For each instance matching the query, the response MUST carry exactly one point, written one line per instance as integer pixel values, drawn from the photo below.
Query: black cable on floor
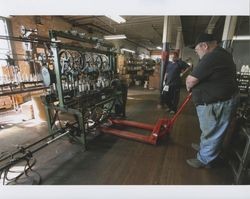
(29, 163)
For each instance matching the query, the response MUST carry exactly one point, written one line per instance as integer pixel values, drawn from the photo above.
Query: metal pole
(48, 112)
(165, 48)
(178, 44)
(228, 32)
(58, 75)
(82, 139)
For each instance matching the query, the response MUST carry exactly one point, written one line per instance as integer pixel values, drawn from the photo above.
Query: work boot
(195, 146)
(195, 163)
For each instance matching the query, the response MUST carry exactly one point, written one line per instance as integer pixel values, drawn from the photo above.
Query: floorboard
(111, 160)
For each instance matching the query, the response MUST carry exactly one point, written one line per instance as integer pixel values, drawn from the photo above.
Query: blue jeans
(214, 120)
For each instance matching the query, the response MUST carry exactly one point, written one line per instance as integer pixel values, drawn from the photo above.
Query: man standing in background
(172, 81)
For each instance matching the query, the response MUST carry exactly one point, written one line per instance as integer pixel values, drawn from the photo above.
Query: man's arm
(184, 66)
(191, 81)
(186, 70)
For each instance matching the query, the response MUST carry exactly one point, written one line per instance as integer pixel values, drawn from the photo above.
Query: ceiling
(146, 31)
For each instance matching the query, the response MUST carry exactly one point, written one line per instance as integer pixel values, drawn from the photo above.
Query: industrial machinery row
(81, 82)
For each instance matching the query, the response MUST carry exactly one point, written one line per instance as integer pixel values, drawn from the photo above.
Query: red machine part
(160, 129)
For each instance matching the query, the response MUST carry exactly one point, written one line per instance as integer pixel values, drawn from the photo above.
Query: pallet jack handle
(181, 108)
(161, 128)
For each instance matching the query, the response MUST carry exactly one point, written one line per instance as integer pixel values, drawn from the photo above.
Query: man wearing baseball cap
(214, 90)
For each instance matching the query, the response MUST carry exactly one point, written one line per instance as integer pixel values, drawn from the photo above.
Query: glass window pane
(5, 48)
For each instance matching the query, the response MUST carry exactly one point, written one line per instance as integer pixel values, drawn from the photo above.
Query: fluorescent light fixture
(116, 18)
(159, 48)
(110, 37)
(241, 37)
(127, 50)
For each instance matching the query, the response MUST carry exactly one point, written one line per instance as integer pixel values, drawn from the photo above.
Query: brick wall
(29, 22)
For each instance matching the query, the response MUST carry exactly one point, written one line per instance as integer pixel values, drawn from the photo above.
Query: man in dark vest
(172, 81)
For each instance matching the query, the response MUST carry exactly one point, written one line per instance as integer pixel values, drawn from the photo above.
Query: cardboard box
(19, 98)
(154, 82)
(5, 102)
(157, 69)
(27, 110)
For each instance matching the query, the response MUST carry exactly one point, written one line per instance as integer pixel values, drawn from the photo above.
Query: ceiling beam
(212, 23)
(156, 21)
(82, 19)
(104, 31)
(157, 31)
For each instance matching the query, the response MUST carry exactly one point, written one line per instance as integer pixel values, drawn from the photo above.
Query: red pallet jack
(161, 128)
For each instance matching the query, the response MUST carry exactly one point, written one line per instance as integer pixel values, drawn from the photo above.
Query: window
(5, 48)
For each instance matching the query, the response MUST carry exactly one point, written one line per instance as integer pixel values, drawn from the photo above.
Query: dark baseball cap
(203, 37)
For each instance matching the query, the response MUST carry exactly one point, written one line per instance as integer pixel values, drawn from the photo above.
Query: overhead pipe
(109, 32)
(103, 31)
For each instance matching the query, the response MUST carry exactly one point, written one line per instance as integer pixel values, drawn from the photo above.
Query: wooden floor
(111, 160)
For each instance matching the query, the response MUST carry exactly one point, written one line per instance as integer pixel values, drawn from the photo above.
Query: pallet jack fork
(160, 129)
